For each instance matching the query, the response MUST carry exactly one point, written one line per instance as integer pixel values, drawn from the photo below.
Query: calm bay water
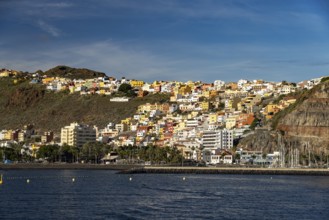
(51, 194)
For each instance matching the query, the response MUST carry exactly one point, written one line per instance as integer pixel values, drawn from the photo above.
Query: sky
(182, 40)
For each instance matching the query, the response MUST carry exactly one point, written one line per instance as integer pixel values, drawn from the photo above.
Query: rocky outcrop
(304, 126)
(308, 123)
(261, 140)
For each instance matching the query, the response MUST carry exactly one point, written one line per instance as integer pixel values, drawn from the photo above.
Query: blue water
(51, 194)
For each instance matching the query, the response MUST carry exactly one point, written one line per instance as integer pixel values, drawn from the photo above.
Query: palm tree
(17, 148)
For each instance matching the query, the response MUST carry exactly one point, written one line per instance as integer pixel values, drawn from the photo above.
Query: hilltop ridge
(72, 73)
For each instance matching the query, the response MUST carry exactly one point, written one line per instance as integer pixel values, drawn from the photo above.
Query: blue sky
(182, 40)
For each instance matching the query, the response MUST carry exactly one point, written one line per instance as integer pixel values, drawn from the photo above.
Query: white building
(228, 159)
(286, 89)
(211, 139)
(227, 139)
(217, 139)
(191, 123)
(77, 135)
(242, 82)
(218, 84)
(120, 99)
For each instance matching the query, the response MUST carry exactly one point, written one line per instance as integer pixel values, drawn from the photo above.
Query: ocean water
(95, 194)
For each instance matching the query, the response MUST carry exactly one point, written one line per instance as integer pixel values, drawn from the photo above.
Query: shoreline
(66, 166)
(141, 169)
(228, 170)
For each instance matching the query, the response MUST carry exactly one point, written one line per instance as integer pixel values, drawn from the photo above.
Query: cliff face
(308, 123)
(260, 140)
(305, 126)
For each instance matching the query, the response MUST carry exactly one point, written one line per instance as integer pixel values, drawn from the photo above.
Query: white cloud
(205, 63)
(57, 5)
(48, 28)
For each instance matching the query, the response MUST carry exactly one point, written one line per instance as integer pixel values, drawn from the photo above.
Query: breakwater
(226, 170)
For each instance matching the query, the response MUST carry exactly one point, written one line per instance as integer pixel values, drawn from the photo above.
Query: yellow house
(181, 125)
(136, 83)
(48, 80)
(194, 114)
(205, 106)
(213, 93)
(4, 73)
(72, 89)
(270, 110)
(142, 118)
(150, 123)
(35, 149)
(126, 121)
(191, 84)
(206, 94)
(184, 90)
(229, 104)
(173, 98)
(149, 107)
(213, 118)
(101, 84)
(8, 135)
(239, 106)
(230, 122)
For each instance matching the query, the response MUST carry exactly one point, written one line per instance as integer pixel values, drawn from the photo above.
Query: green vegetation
(72, 73)
(23, 103)
(93, 152)
(127, 90)
(254, 124)
(276, 101)
(49, 152)
(325, 79)
(15, 153)
(154, 154)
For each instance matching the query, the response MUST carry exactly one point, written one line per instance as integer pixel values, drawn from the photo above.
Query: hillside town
(203, 121)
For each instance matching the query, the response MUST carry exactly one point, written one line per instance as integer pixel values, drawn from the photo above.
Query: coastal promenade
(140, 169)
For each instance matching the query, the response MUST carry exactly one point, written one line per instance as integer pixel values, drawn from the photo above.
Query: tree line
(91, 152)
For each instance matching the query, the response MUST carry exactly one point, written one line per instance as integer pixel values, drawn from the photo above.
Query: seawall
(222, 170)
(139, 169)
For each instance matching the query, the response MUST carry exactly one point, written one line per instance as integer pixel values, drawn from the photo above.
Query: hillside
(73, 73)
(24, 103)
(303, 125)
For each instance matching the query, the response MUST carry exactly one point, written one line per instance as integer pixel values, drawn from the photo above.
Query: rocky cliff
(303, 126)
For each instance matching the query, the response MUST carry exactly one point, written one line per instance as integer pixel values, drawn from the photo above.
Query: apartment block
(77, 135)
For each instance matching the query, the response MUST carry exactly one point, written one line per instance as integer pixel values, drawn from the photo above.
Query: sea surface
(102, 194)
